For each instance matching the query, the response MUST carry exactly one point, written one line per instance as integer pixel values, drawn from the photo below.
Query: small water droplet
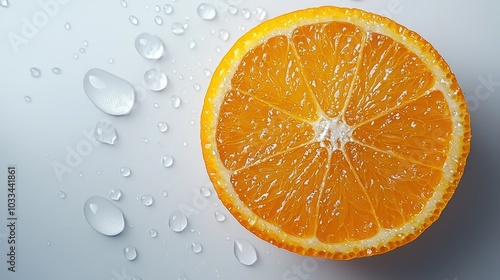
(35, 72)
(167, 161)
(125, 171)
(196, 247)
(56, 70)
(105, 132)
(178, 28)
(206, 11)
(4, 3)
(149, 46)
(245, 13)
(157, 8)
(196, 86)
(133, 20)
(85, 43)
(123, 3)
(233, 10)
(162, 127)
(175, 101)
(260, 14)
(223, 35)
(207, 72)
(153, 233)
(168, 9)
(82, 50)
(219, 216)
(111, 61)
(177, 221)
(192, 44)
(145, 140)
(156, 105)
(205, 192)
(164, 193)
(67, 26)
(155, 80)
(147, 200)
(109, 93)
(130, 253)
(115, 194)
(27, 98)
(244, 251)
(103, 216)
(158, 20)
(61, 194)
(75, 56)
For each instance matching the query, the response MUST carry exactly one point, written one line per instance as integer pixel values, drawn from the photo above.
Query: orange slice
(334, 132)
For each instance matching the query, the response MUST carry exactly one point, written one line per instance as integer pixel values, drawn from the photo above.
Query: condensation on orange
(334, 132)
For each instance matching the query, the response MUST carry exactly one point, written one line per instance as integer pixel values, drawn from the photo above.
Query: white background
(54, 240)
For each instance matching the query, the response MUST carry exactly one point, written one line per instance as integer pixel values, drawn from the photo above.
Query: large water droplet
(177, 221)
(149, 46)
(125, 171)
(175, 101)
(35, 72)
(196, 247)
(219, 216)
(105, 132)
(130, 253)
(147, 200)
(103, 216)
(115, 194)
(205, 192)
(223, 35)
(168, 9)
(244, 251)
(153, 233)
(4, 3)
(167, 161)
(155, 80)
(206, 11)
(133, 20)
(162, 127)
(178, 28)
(109, 93)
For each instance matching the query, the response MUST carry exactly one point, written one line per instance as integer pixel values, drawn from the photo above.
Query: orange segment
(334, 132)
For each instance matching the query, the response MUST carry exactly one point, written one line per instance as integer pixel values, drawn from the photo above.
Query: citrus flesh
(334, 132)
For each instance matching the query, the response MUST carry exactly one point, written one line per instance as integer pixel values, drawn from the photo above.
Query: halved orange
(334, 132)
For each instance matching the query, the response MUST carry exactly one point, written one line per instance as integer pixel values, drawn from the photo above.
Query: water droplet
(219, 216)
(192, 44)
(157, 9)
(206, 11)
(35, 72)
(109, 93)
(125, 171)
(67, 26)
(245, 13)
(153, 233)
(205, 192)
(158, 20)
(155, 80)
(177, 221)
(167, 161)
(115, 194)
(233, 10)
(164, 193)
(103, 216)
(196, 247)
(4, 3)
(178, 28)
(111, 61)
(207, 72)
(244, 251)
(123, 3)
(223, 34)
(162, 127)
(196, 86)
(147, 200)
(149, 46)
(156, 105)
(56, 70)
(27, 98)
(61, 194)
(82, 50)
(145, 140)
(105, 132)
(175, 101)
(133, 20)
(260, 14)
(85, 43)
(130, 253)
(168, 9)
